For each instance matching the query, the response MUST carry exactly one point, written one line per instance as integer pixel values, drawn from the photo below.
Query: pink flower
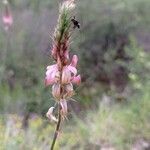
(7, 17)
(52, 75)
(76, 80)
(69, 72)
(66, 75)
(72, 69)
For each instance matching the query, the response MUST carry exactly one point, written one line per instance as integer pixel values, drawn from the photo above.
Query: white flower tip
(68, 4)
(50, 115)
(5, 2)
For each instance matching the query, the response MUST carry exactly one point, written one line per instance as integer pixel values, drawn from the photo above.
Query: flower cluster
(7, 16)
(63, 74)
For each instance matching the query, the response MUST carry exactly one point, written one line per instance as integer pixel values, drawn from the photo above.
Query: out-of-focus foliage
(108, 24)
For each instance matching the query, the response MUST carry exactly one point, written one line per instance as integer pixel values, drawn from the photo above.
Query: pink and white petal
(72, 70)
(48, 72)
(48, 82)
(76, 80)
(66, 75)
(74, 61)
(52, 67)
(50, 79)
(8, 20)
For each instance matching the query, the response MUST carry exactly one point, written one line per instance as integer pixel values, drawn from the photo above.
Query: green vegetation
(119, 126)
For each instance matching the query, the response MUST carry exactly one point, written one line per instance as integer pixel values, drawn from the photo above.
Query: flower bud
(66, 76)
(54, 52)
(68, 4)
(66, 57)
(56, 91)
(74, 61)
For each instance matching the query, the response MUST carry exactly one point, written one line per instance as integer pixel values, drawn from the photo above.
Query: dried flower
(66, 75)
(69, 92)
(56, 91)
(50, 115)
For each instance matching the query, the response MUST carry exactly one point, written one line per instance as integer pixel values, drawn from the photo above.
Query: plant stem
(57, 129)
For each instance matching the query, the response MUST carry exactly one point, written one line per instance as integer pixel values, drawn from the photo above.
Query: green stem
(57, 129)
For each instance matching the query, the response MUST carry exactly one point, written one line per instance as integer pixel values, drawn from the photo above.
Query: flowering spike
(63, 73)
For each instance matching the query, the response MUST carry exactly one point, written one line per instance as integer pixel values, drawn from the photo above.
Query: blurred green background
(112, 103)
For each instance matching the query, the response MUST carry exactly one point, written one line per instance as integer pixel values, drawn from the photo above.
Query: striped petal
(72, 70)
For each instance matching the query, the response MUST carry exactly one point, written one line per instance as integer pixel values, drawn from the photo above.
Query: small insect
(75, 23)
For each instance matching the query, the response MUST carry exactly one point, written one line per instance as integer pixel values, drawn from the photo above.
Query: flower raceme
(63, 74)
